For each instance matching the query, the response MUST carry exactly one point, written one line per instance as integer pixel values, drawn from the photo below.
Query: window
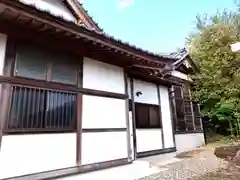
(37, 63)
(147, 116)
(184, 114)
(31, 62)
(34, 109)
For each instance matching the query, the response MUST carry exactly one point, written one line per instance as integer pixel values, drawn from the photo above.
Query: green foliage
(218, 84)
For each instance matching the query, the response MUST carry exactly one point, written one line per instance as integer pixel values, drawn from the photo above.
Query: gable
(187, 64)
(83, 17)
(54, 7)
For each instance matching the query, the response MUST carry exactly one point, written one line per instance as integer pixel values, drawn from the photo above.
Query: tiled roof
(101, 33)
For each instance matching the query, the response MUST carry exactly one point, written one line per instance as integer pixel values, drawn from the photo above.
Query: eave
(19, 14)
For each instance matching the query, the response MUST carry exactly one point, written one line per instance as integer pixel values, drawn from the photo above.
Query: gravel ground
(202, 163)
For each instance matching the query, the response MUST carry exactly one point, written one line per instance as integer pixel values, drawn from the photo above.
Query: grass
(222, 140)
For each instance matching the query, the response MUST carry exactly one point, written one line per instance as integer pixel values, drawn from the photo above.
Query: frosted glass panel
(64, 72)
(31, 62)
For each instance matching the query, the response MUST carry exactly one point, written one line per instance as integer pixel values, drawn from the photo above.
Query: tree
(217, 87)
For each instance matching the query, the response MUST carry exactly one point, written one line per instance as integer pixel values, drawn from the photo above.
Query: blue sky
(155, 25)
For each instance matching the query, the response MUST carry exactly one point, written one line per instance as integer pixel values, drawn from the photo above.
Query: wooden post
(160, 115)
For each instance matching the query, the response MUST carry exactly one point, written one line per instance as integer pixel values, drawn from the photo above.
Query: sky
(160, 26)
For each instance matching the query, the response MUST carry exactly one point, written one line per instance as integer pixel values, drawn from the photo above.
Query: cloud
(125, 3)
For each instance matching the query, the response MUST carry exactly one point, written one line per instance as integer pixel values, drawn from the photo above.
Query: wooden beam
(73, 28)
(53, 85)
(147, 67)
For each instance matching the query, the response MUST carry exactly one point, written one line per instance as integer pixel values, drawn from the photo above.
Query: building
(74, 99)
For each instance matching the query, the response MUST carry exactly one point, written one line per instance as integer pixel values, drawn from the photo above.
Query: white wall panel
(103, 146)
(101, 76)
(166, 117)
(55, 7)
(26, 154)
(181, 75)
(129, 88)
(148, 139)
(101, 112)
(148, 90)
(3, 43)
(186, 142)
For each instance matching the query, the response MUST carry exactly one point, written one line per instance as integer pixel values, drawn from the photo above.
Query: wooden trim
(160, 114)
(148, 67)
(98, 130)
(38, 131)
(4, 110)
(127, 115)
(80, 74)
(155, 152)
(60, 86)
(10, 57)
(182, 97)
(5, 90)
(71, 171)
(79, 129)
(171, 111)
(201, 122)
(79, 114)
(193, 114)
(133, 117)
(188, 132)
(174, 112)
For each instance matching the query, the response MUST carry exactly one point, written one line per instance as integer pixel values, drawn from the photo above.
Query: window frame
(49, 64)
(10, 69)
(187, 123)
(44, 129)
(149, 126)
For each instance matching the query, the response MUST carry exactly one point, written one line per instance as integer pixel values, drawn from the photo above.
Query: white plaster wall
(103, 146)
(3, 43)
(181, 75)
(166, 117)
(129, 89)
(101, 112)
(26, 154)
(101, 76)
(148, 139)
(186, 142)
(149, 92)
(55, 7)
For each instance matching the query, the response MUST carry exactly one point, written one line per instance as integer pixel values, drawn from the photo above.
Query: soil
(232, 173)
(232, 169)
(226, 152)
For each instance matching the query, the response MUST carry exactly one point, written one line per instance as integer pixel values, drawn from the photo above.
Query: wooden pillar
(173, 112)
(193, 115)
(160, 115)
(7, 59)
(133, 118)
(79, 115)
(127, 117)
